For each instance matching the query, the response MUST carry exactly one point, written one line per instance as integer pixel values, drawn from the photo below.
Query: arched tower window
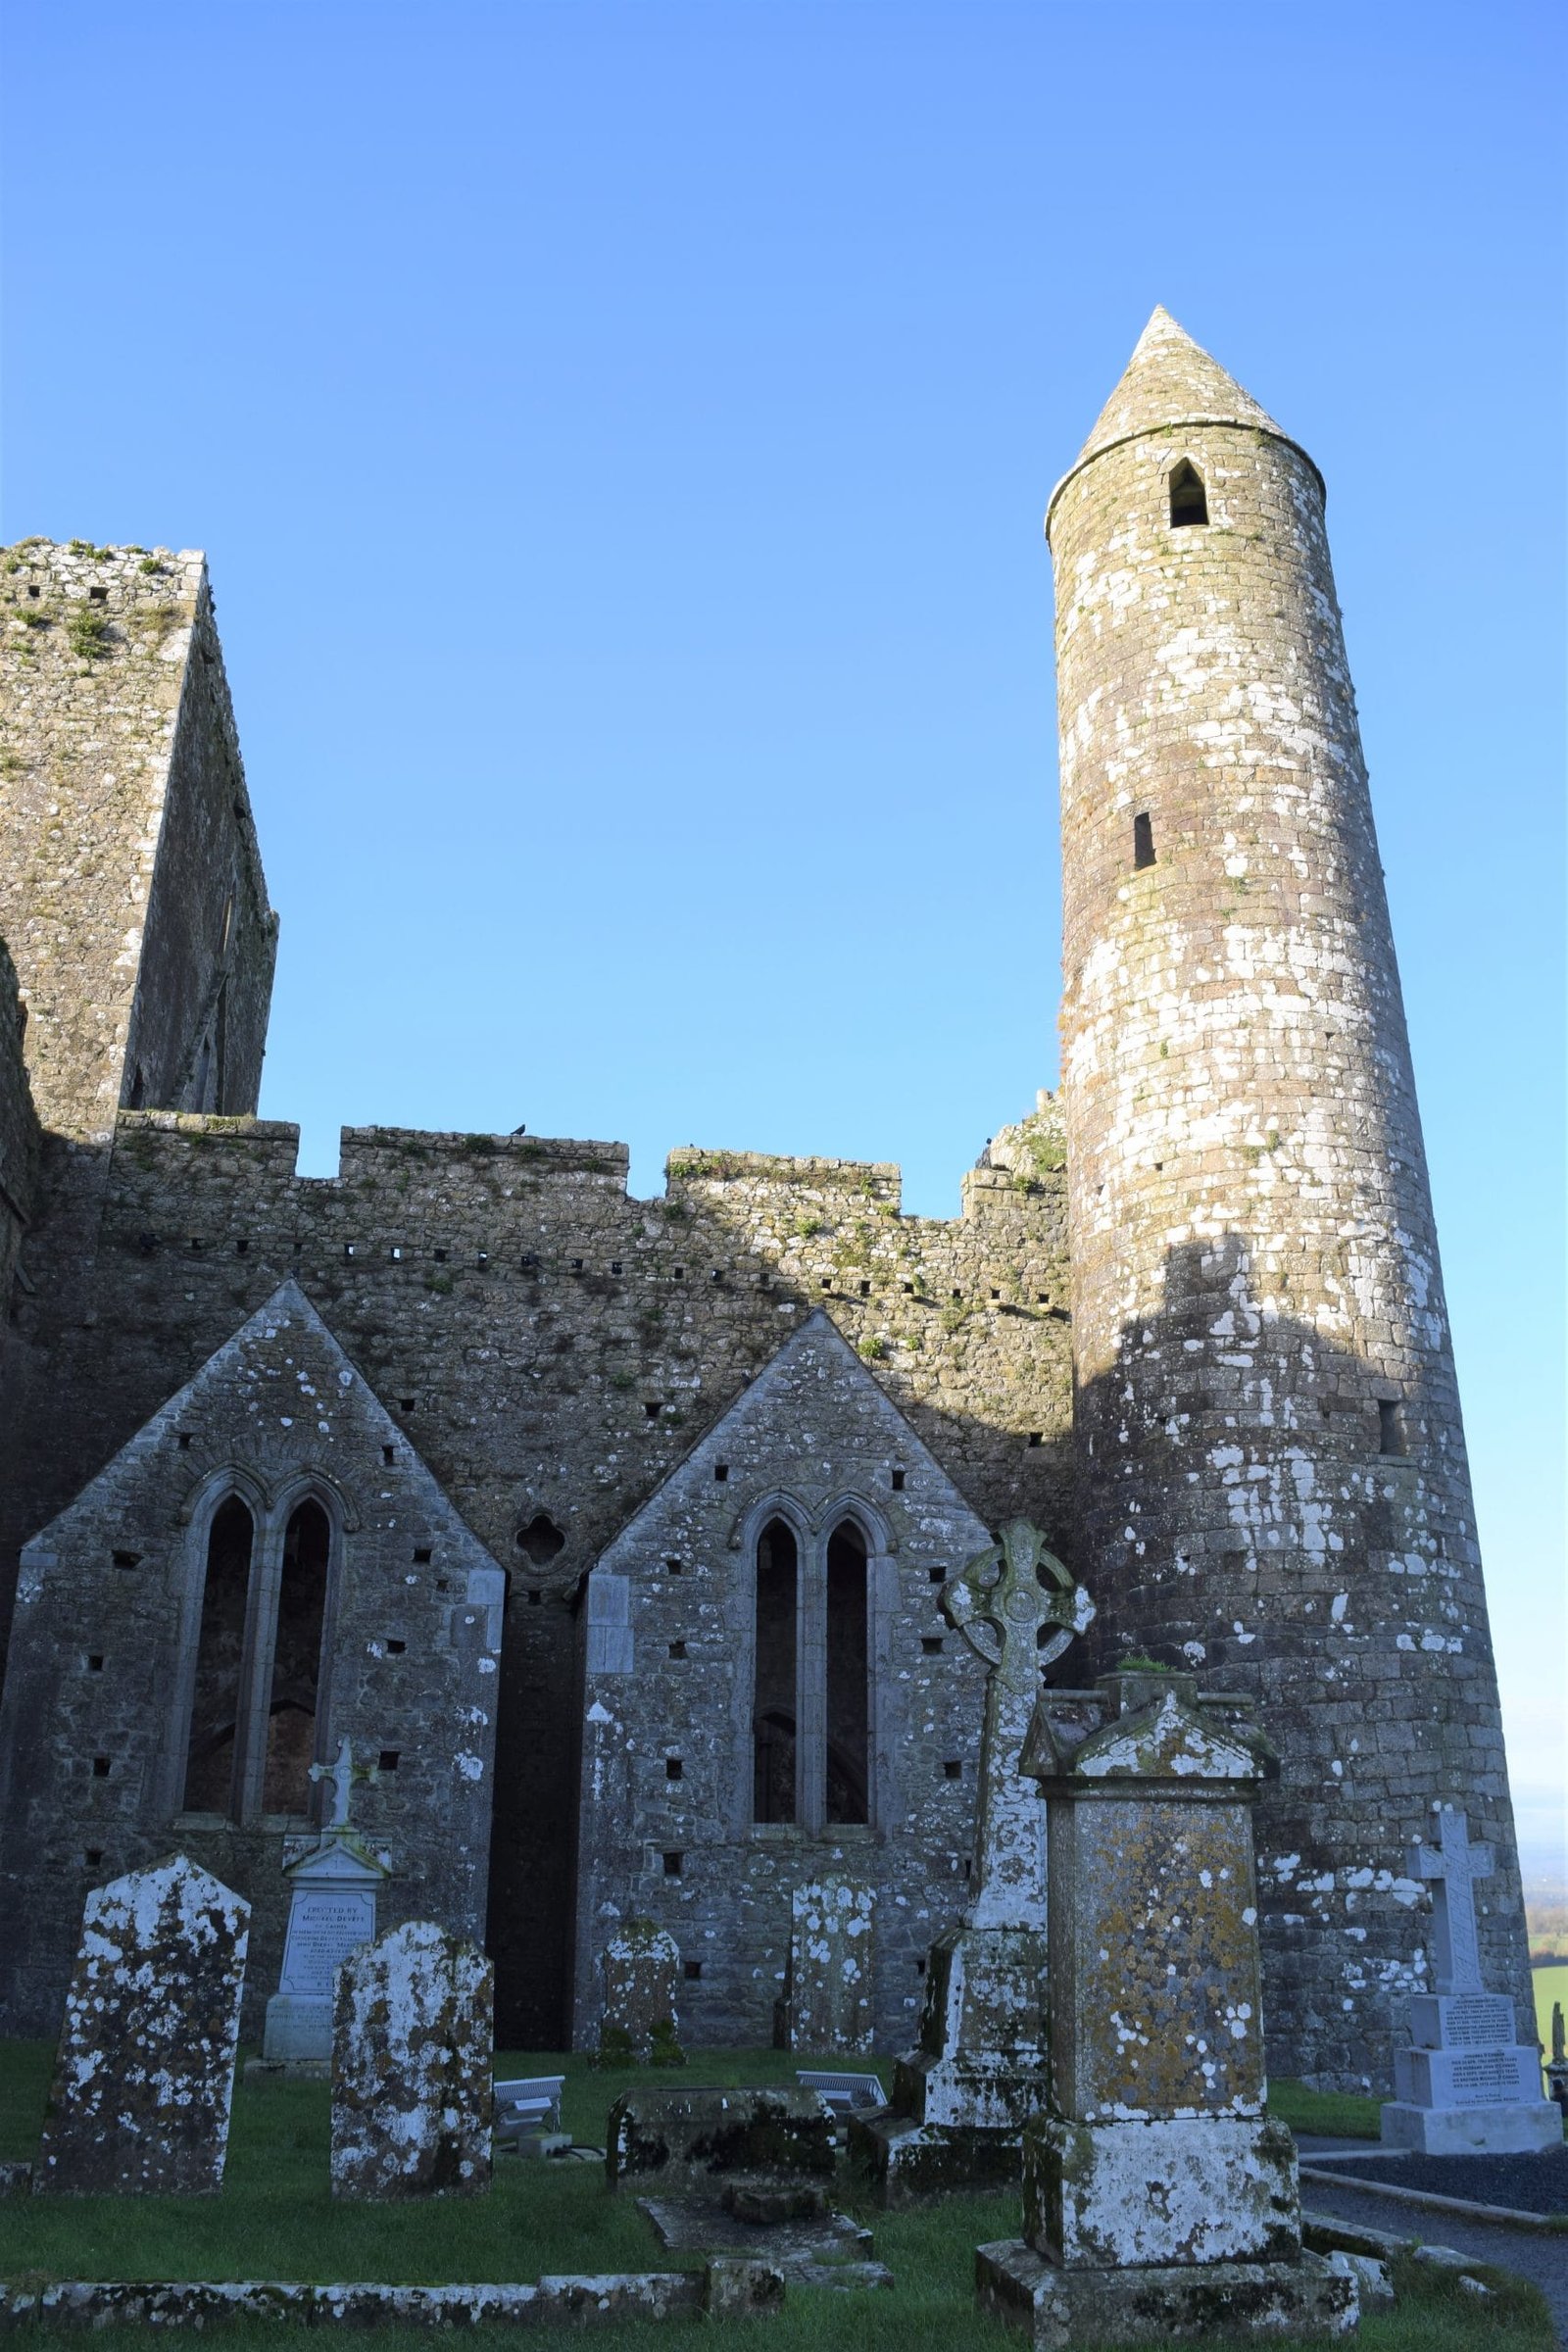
(848, 1692)
(219, 1682)
(774, 1697)
(1188, 500)
(296, 1676)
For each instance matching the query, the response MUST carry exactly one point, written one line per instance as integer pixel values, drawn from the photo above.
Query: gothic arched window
(811, 1697)
(296, 1675)
(218, 1677)
(773, 1703)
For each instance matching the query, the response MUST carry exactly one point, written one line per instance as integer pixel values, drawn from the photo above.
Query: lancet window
(813, 1702)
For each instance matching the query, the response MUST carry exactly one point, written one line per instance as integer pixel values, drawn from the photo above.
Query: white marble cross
(342, 1773)
(1453, 1865)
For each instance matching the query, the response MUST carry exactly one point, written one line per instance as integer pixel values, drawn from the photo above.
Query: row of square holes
(531, 1263)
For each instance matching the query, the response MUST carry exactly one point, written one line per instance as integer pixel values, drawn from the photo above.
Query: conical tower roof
(1170, 380)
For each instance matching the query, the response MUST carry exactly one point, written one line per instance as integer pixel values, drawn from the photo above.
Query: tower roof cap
(1170, 380)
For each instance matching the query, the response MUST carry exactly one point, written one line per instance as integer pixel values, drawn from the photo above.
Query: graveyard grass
(275, 2219)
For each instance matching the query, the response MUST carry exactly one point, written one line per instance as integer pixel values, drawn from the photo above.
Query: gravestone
(640, 2027)
(1159, 2199)
(961, 2102)
(331, 1912)
(828, 1989)
(1468, 2085)
(412, 2042)
(140, 2103)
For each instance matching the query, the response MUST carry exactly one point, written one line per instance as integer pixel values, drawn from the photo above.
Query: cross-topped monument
(1468, 2083)
(341, 1776)
(1017, 1607)
(332, 1891)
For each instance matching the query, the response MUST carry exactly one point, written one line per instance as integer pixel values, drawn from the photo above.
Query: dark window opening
(93, 1857)
(953, 1769)
(1036, 1437)
(652, 1409)
(421, 1555)
(387, 1760)
(673, 1865)
(138, 1089)
(898, 1482)
(542, 1540)
(394, 1647)
(931, 1644)
(1391, 1427)
(128, 1559)
(938, 1575)
(721, 1472)
(849, 1712)
(672, 1568)
(1142, 841)
(291, 1705)
(185, 1441)
(219, 1648)
(390, 1455)
(677, 1649)
(100, 1768)
(614, 1265)
(440, 1257)
(1188, 500)
(692, 1970)
(865, 1290)
(536, 1598)
(405, 1404)
(95, 1664)
(773, 1688)
(674, 1769)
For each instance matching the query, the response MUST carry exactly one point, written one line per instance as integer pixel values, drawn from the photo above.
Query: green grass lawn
(275, 2219)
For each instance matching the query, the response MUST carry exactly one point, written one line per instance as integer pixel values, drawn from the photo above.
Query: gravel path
(1537, 2255)
(1529, 2183)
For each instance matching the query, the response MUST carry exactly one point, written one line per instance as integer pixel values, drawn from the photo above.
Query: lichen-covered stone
(1197, 2188)
(1079, 2310)
(140, 2103)
(641, 1970)
(412, 2090)
(668, 2138)
(829, 1992)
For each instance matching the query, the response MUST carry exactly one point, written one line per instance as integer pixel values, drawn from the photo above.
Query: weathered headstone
(332, 1891)
(140, 2103)
(828, 2002)
(1469, 2085)
(411, 2040)
(961, 2102)
(1159, 2199)
(640, 2027)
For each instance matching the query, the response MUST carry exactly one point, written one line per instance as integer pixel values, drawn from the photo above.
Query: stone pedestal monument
(1159, 2199)
(332, 1889)
(827, 2008)
(1469, 2083)
(961, 2102)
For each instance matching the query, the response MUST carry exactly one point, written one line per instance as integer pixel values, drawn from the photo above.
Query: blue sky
(620, 437)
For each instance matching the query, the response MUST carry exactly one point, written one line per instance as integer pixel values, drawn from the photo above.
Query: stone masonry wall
(19, 1142)
(1271, 1457)
(132, 891)
(552, 1347)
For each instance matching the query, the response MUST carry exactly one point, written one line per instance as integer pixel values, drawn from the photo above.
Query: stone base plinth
(1520, 2130)
(1191, 2189)
(903, 2160)
(1072, 2311)
(299, 2026)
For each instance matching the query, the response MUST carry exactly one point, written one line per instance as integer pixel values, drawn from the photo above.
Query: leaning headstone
(412, 2067)
(331, 1912)
(140, 2099)
(960, 2104)
(1159, 2199)
(1469, 2085)
(640, 2027)
(829, 1987)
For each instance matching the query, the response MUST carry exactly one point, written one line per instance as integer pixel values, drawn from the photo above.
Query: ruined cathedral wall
(18, 1143)
(118, 755)
(553, 1347)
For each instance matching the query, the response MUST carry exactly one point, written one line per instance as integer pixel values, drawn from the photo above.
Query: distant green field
(1551, 1984)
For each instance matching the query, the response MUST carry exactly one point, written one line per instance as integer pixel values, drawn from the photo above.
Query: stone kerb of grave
(959, 2103)
(412, 2043)
(641, 1969)
(1468, 2085)
(332, 1895)
(1158, 2196)
(828, 2006)
(143, 2083)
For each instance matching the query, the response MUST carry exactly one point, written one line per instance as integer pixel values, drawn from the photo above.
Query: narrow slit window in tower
(219, 1651)
(774, 1690)
(1391, 1427)
(848, 1704)
(291, 1742)
(1189, 501)
(1143, 840)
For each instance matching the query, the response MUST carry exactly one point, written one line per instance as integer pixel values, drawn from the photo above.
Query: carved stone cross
(1017, 1607)
(1453, 1865)
(342, 1773)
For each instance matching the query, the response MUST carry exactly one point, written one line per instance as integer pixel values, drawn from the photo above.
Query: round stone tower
(1269, 1446)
